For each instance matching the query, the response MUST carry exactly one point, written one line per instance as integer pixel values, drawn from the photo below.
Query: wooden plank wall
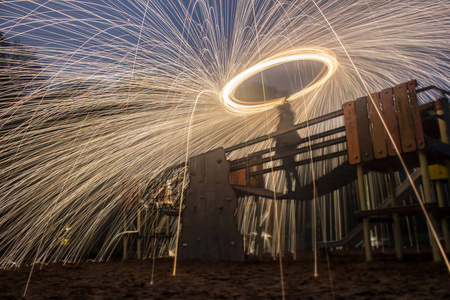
(367, 138)
(377, 127)
(351, 131)
(239, 177)
(362, 122)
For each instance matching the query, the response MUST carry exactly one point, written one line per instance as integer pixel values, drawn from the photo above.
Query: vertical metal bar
(362, 199)
(314, 228)
(409, 229)
(259, 241)
(395, 217)
(125, 236)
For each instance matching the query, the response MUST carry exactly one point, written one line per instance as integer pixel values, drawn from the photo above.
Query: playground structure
(209, 228)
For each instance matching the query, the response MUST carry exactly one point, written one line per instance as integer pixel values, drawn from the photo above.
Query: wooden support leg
(167, 235)
(153, 237)
(395, 217)
(362, 199)
(444, 225)
(427, 195)
(139, 241)
(125, 237)
(441, 106)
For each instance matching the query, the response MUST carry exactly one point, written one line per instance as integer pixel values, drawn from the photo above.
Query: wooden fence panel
(390, 119)
(377, 127)
(364, 137)
(405, 122)
(351, 133)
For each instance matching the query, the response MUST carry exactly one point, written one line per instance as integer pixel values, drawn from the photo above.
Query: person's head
(284, 107)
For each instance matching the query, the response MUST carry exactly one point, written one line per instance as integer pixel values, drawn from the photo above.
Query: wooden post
(441, 106)
(146, 232)
(362, 199)
(139, 241)
(167, 234)
(153, 234)
(314, 235)
(427, 195)
(125, 236)
(395, 217)
(444, 225)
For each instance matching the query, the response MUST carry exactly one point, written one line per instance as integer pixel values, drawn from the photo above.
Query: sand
(344, 275)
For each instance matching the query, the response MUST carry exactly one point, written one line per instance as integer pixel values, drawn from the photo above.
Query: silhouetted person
(287, 142)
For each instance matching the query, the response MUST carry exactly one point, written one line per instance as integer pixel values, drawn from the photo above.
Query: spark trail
(94, 105)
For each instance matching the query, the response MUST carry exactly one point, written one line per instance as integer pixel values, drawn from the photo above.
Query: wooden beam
(302, 162)
(305, 124)
(403, 211)
(303, 140)
(290, 153)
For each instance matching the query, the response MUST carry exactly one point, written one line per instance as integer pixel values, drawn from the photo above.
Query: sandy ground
(344, 275)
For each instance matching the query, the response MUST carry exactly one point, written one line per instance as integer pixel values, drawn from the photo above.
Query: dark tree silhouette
(20, 73)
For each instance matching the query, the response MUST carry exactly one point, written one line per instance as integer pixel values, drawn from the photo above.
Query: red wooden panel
(415, 112)
(238, 177)
(362, 121)
(390, 119)
(351, 133)
(376, 126)
(257, 181)
(405, 123)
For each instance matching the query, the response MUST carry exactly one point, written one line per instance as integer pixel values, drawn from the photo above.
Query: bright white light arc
(242, 107)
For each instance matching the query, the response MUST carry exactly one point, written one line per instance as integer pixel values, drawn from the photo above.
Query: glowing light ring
(238, 106)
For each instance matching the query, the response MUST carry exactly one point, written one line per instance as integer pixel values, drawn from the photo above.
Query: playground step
(357, 230)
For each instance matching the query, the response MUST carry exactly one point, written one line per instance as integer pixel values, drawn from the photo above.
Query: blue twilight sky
(89, 25)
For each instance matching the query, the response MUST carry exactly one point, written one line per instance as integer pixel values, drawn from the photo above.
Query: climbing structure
(377, 129)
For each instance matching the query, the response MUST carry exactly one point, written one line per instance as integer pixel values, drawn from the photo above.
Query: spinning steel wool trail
(240, 106)
(96, 99)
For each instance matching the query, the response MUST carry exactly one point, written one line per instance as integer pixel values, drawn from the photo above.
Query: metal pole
(259, 245)
(314, 228)
(395, 217)
(427, 195)
(362, 199)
